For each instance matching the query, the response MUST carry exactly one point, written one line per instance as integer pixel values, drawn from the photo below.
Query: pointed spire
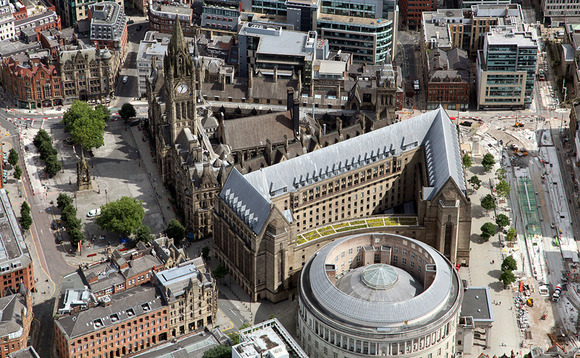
(177, 40)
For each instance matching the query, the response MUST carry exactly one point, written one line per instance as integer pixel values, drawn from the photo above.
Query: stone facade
(256, 228)
(88, 74)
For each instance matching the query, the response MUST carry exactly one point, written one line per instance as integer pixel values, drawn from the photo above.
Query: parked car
(93, 213)
(125, 79)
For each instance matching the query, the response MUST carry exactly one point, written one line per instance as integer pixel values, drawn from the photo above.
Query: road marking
(39, 252)
(231, 323)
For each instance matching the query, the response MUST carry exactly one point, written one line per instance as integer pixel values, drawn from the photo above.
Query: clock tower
(179, 86)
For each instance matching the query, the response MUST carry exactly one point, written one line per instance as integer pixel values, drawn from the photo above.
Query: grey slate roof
(141, 299)
(384, 309)
(433, 130)
(246, 201)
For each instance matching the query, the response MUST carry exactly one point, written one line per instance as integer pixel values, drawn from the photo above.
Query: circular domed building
(378, 295)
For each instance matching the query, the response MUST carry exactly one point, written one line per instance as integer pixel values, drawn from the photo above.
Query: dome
(380, 276)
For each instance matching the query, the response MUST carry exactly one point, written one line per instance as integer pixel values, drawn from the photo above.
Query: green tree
(511, 234)
(503, 189)
(52, 166)
(63, 200)
(13, 157)
(68, 215)
(123, 216)
(127, 111)
(475, 182)
(175, 231)
(488, 162)
(507, 277)
(218, 352)
(488, 202)
(205, 253)
(25, 208)
(220, 272)
(46, 150)
(41, 137)
(25, 217)
(488, 230)
(17, 172)
(76, 235)
(104, 111)
(86, 125)
(143, 233)
(502, 220)
(500, 174)
(467, 161)
(509, 264)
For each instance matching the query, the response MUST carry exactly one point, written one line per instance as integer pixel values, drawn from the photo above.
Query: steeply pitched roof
(432, 130)
(246, 201)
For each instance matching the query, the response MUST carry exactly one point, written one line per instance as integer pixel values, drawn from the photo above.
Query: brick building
(15, 261)
(121, 272)
(46, 20)
(448, 81)
(33, 80)
(128, 322)
(15, 321)
(412, 10)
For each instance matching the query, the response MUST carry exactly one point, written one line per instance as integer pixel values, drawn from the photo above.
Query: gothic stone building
(265, 221)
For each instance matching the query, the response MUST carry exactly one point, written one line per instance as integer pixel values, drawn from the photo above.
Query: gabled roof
(250, 195)
(246, 201)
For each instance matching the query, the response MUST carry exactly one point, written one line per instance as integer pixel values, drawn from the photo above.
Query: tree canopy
(220, 272)
(503, 189)
(507, 277)
(143, 234)
(511, 234)
(127, 111)
(13, 157)
(475, 182)
(218, 352)
(488, 202)
(488, 162)
(500, 174)
(124, 216)
(17, 172)
(175, 230)
(488, 230)
(103, 111)
(502, 220)
(63, 200)
(86, 125)
(25, 217)
(509, 263)
(467, 161)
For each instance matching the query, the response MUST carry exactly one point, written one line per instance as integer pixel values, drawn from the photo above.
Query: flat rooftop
(14, 253)
(477, 304)
(272, 36)
(508, 36)
(351, 20)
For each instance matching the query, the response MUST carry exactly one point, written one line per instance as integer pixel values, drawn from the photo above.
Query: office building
(506, 69)
(128, 322)
(72, 11)
(268, 223)
(6, 21)
(108, 27)
(267, 339)
(191, 294)
(467, 4)
(559, 12)
(377, 294)
(412, 10)
(221, 15)
(15, 261)
(162, 18)
(259, 50)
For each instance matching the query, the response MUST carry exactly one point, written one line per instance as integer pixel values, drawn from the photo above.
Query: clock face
(181, 89)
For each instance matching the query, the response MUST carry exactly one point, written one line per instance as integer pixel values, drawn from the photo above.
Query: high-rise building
(72, 11)
(506, 68)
